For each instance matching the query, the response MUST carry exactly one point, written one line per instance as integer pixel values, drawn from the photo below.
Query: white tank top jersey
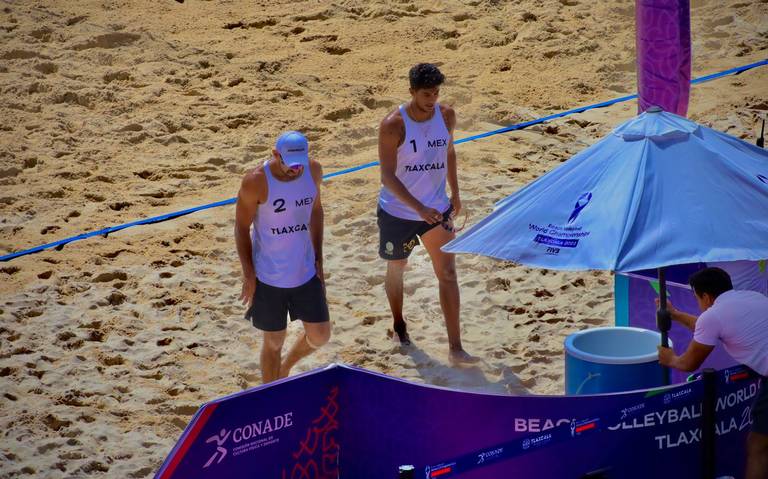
(282, 245)
(422, 162)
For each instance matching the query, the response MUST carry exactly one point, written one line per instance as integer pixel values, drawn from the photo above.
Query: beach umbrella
(659, 190)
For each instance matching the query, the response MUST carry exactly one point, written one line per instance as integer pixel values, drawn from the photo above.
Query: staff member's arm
(690, 360)
(687, 320)
(391, 132)
(705, 335)
(253, 192)
(449, 116)
(317, 219)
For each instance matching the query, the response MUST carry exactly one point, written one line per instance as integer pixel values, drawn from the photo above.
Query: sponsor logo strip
(561, 242)
(441, 472)
(739, 376)
(586, 427)
(659, 398)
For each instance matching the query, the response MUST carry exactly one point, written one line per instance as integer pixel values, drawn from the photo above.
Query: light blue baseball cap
(294, 148)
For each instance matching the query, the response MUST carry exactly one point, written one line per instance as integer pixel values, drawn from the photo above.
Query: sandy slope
(113, 112)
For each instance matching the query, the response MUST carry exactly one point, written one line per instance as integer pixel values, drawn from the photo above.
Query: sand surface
(112, 111)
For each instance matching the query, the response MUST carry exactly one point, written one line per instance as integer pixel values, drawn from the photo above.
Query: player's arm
(449, 116)
(317, 220)
(252, 193)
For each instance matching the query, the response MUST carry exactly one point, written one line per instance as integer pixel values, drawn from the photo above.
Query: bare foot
(402, 333)
(284, 371)
(459, 357)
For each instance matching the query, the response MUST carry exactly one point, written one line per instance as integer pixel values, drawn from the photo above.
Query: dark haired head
(425, 75)
(712, 281)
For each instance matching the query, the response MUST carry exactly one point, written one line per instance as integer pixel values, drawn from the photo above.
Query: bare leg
(444, 265)
(270, 355)
(314, 336)
(393, 285)
(757, 456)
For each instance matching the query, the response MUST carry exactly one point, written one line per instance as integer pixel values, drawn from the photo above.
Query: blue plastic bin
(605, 360)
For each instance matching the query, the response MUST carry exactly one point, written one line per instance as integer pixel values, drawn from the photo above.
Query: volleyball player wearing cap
(279, 238)
(417, 159)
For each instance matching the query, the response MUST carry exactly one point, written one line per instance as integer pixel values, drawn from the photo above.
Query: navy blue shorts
(760, 409)
(398, 236)
(271, 305)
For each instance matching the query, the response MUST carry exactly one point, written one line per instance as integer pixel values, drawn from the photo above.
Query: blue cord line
(157, 219)
(106, 231)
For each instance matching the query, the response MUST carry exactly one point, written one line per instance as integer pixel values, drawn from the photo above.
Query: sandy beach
(117, 111)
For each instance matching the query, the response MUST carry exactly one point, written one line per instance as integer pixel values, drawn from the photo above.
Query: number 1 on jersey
(413, 142)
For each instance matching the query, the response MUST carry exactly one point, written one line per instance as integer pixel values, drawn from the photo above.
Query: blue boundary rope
(58, 245)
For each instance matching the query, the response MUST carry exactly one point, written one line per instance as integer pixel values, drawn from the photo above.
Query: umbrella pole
(663, 318)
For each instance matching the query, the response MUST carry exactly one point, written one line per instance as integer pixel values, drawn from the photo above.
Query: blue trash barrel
(613, 359)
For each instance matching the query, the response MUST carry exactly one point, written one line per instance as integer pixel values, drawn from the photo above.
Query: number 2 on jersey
(280, 205)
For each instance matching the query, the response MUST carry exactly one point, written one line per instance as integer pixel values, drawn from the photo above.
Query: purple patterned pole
(663, 43)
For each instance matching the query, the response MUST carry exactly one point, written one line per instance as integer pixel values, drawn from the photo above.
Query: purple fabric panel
(396, 423)
(351, 423)
(663, 44)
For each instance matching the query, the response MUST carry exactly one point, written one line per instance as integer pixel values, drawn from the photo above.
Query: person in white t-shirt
(739, 320)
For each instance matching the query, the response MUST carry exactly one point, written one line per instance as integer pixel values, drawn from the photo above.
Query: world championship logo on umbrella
(581, 203)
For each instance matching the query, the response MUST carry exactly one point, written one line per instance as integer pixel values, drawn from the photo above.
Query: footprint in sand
(120, 205)
(94, 467)
(21, 55)
(496, 284)
(528, 383)
(54, 423)
(336, 50)
(593, 321)
(111, 360)
(542, 312)
(554, 320)
(116, 76)
(342, 114)
(46, 68)
(542, 293)
(718, 22)
(516, 310)
(75, 20)
(43, 34)
(108, 40)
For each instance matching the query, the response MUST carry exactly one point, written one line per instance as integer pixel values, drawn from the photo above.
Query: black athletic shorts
(760, 409)
(271, 305)
(398, 236)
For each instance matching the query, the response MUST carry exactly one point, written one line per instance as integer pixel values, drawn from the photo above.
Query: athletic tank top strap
(283, 255)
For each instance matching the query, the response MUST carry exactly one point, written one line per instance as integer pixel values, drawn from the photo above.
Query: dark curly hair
(714, 281)
(425, 75)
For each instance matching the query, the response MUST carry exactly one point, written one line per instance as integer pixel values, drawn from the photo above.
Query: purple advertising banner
(287, 429)
(352, 423)
(663, 43)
